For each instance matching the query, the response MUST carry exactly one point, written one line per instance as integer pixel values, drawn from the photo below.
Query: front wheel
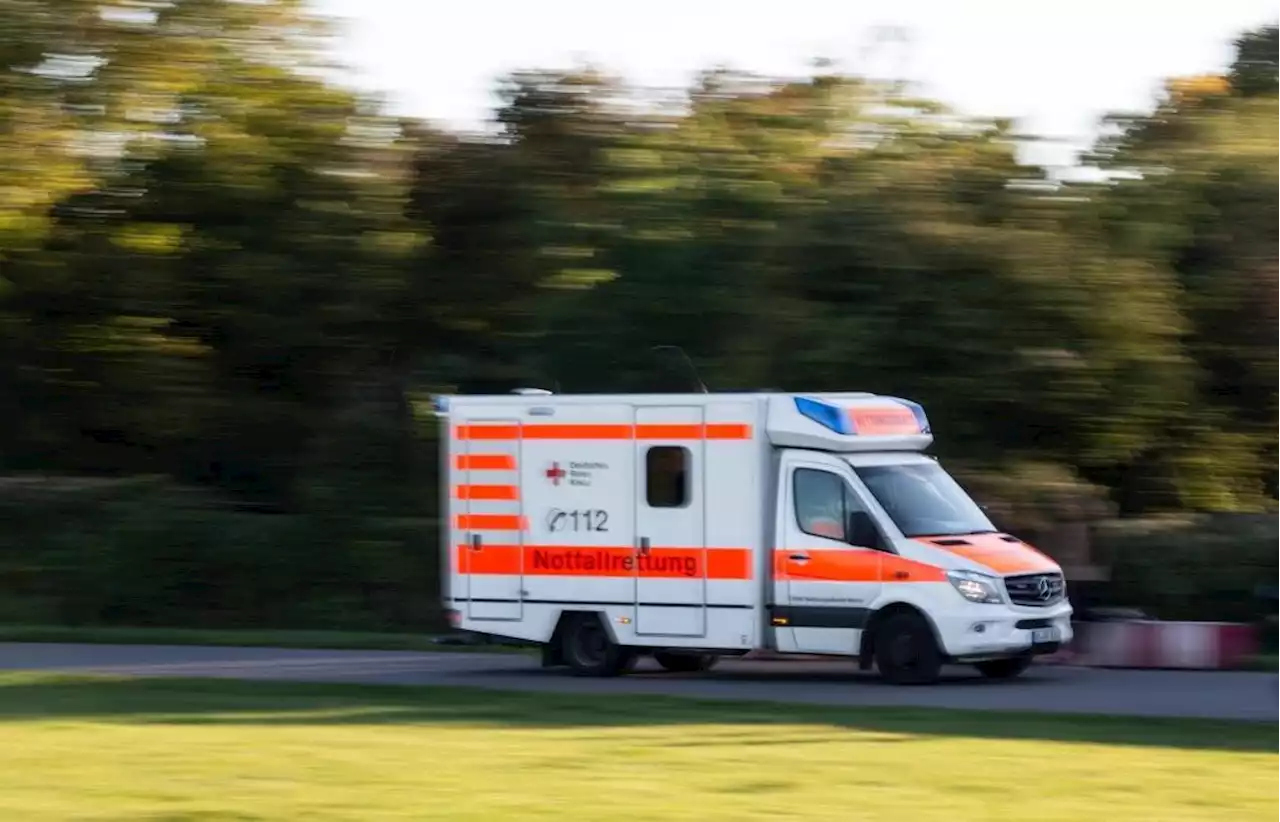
(684, 663)
(906, 652)
(590, 651)
(1003, 668)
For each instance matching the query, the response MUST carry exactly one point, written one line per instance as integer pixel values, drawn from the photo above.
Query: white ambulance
(689, 527)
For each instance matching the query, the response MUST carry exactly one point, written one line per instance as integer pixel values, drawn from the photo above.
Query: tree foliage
(216, 266)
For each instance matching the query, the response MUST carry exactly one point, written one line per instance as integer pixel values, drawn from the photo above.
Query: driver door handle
(799, 557)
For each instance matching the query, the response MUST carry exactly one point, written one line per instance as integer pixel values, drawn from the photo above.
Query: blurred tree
(214, 276)
(1205, 207)
(1255, 72)
(217, 265)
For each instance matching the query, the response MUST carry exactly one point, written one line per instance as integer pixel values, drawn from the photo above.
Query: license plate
(1039, 635)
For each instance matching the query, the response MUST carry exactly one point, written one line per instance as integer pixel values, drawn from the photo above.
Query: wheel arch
(867, 645)
(569, 615)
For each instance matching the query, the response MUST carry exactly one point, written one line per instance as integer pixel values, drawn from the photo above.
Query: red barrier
(1205, 646)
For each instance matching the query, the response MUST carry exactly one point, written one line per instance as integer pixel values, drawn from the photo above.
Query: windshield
(923, 500)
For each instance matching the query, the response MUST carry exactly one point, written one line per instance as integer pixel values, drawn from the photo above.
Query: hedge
(1208, 567)
(158, 558)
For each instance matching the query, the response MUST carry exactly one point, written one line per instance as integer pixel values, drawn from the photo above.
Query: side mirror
(861, 530)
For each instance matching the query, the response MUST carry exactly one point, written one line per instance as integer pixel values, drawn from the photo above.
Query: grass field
(88, 748)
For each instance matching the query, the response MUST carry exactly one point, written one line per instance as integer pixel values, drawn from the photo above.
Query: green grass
(98, 748)
(328, 640)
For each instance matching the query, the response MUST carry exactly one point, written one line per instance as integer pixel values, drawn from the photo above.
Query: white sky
(1057, 67)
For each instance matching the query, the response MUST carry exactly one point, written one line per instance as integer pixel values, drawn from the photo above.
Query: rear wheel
(590, 651)
(1003, 668)
(906, 652)
(684, 662)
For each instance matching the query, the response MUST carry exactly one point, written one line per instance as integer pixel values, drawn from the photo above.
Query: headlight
(975, 587)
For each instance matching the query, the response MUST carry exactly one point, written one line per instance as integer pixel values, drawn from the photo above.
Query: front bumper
(992, 632)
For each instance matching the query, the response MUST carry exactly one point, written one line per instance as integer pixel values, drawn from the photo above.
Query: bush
(1207, 567)
(158, 556)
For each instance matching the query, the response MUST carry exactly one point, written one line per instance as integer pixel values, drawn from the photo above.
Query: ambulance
(690, 527)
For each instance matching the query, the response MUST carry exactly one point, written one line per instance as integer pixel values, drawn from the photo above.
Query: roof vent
(531, 392)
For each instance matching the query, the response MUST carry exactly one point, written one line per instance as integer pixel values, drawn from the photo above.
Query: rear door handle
(799, 557)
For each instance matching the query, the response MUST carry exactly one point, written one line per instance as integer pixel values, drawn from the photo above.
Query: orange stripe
(851, 565)
(488, 432)
(728, 431)
(894, 568)
(694, 431)
(485, 462)
(729, 563)
(605, 561)
(501, 492)
(491, 522)
(672, 431)
(551, 431)
(490, 559)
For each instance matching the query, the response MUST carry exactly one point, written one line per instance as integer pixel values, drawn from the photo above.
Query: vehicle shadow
(180, 701)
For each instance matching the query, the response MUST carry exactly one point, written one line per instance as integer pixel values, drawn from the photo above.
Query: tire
(685, 663)
(1004, 668)
(906, 652)
(588, 649)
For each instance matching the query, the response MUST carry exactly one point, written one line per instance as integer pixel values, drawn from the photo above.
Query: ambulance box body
(689, 527)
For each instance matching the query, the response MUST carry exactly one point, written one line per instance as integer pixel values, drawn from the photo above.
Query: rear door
(489, 516)
(830, 583)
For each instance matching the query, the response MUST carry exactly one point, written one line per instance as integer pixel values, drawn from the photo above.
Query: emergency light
(828, 416)
(842, 420)
(917, 411)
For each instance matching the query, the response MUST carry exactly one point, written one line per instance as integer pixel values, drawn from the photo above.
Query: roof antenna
(693, 371)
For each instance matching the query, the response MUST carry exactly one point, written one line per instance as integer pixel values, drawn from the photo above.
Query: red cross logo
(555, 473)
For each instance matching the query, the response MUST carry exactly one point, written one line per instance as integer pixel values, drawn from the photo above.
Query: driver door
(831, 581)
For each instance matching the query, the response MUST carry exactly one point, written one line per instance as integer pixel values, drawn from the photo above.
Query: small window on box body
(666, 471)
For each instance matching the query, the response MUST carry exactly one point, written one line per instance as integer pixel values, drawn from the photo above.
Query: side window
(666, 476)
(823, 502)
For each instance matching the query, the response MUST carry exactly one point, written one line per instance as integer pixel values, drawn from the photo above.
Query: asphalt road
(1045, 688)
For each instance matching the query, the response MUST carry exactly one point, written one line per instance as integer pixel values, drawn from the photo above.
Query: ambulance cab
(691, 527)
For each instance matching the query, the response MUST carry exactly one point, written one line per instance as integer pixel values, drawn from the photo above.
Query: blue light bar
(828, 416)
(917, 411)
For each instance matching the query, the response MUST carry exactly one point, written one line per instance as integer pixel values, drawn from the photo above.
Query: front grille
(1035, 590)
